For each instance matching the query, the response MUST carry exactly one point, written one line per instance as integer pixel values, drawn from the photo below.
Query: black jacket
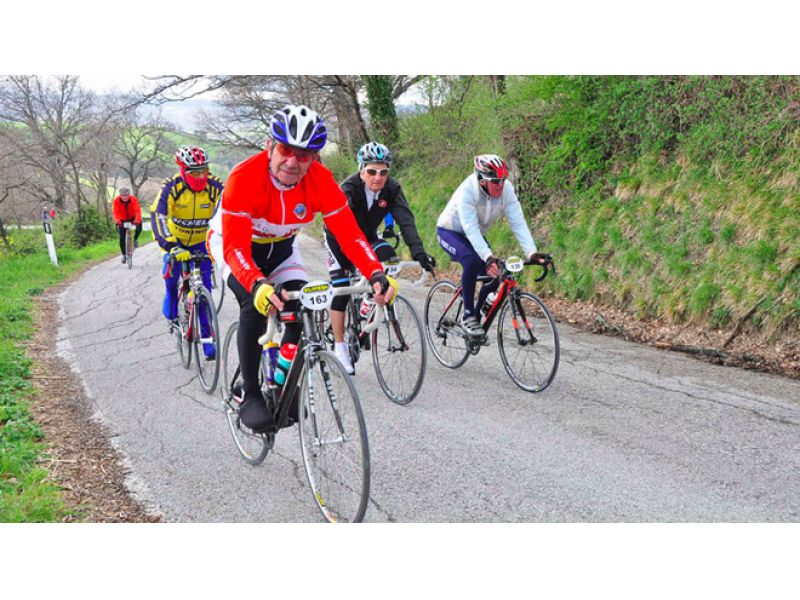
(391, 199)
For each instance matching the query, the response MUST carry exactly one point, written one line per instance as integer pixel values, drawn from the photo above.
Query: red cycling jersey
(255, 211)
(126, 211)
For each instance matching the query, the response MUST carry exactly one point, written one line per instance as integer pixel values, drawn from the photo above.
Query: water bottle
(285, 358)
(366, 306)
(488, 302)
(271, 356)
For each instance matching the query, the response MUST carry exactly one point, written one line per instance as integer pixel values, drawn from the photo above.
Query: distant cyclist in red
(268, 199)
(126, 209)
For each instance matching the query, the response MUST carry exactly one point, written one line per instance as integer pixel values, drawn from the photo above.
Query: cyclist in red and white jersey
(268, 199)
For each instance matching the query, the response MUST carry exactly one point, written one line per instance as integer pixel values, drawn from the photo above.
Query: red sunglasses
(300, 154)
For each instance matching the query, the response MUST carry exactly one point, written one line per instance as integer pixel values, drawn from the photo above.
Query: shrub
(78, 230)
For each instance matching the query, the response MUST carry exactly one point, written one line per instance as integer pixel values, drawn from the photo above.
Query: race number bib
(515, 264)
(316, 295)
(392, 267)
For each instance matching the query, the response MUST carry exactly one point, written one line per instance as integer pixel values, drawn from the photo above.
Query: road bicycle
(527, 337)
(194, 300)
(319, 395)
(397, 344)
(128, 243)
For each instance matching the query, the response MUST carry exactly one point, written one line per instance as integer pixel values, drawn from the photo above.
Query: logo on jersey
(300, 211)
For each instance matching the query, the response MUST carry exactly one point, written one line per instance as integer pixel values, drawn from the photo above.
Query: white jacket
(471, 212)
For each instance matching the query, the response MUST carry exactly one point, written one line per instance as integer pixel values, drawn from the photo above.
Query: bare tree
(141, 149)
(248, 103)
(59, 120)
(98, 164)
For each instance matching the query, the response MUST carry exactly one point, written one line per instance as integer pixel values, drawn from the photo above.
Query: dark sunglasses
(381, 172)
(300, 154)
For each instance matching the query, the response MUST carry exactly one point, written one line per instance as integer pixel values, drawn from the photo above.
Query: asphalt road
(625, 432)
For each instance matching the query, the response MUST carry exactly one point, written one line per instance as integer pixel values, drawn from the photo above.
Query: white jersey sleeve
(516, 219)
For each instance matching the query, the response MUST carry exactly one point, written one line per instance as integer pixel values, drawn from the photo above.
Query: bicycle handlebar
(338, 291)
(192, 256)
(548, 263)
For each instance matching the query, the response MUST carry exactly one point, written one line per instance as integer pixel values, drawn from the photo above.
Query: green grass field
(26, 494)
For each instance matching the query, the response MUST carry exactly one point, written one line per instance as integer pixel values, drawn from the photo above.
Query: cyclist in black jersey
(371, 194)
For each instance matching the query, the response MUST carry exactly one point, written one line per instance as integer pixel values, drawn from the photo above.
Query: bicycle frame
(191, 280)
(310, 343)
(507, 291)
(353, 306)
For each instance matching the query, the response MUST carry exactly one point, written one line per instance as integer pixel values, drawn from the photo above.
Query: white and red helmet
(191, 158)
(490, 166)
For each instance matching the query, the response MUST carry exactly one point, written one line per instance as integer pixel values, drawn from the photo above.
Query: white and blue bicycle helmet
(299, 126)
(373, 152)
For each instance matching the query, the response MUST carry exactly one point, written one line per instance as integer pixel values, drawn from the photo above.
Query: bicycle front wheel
(528, 342)
(333, 440)
(217, 288)
(128, 249)
(399, 352)
(446, 336)
(184, 329)
(253, 447)
(206, 347)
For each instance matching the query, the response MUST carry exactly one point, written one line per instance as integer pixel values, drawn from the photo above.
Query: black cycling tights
(252, 325)
(121, 231)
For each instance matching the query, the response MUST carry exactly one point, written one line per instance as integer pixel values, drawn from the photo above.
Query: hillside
(674, 199)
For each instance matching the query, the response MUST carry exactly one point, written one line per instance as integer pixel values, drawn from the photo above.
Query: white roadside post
(48, 234)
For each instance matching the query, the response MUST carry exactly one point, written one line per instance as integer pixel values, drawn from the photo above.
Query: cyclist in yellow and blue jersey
(179, 216)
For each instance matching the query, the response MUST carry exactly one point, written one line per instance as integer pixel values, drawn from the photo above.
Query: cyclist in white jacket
(479, 201)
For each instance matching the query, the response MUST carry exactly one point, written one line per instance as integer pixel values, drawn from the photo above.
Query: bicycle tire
(542, 356)
(128, 249)
(396, 366)
(333, 437)
(441, 328)
(207, 370)
(217, 288)
(253, 447)
(183, 329)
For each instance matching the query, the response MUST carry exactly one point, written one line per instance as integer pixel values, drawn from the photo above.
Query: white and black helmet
(373, 152)
(299, 126)
(124, 191)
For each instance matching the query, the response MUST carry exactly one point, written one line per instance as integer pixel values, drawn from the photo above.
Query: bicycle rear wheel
(207, 369)
(399, 352)
(528, 344)
(183, 331)
(252, 446)
(446, 336)
(333, 440)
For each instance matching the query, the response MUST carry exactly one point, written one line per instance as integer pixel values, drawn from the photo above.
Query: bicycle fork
(516, 314)
(326, 376)
(393, 325)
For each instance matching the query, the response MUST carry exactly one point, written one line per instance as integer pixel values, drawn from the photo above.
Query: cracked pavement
(625, 433)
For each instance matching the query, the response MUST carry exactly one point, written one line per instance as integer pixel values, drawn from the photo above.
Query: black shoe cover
(255, 415)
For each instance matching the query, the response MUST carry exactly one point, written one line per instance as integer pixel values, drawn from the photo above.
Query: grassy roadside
(26, 494)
